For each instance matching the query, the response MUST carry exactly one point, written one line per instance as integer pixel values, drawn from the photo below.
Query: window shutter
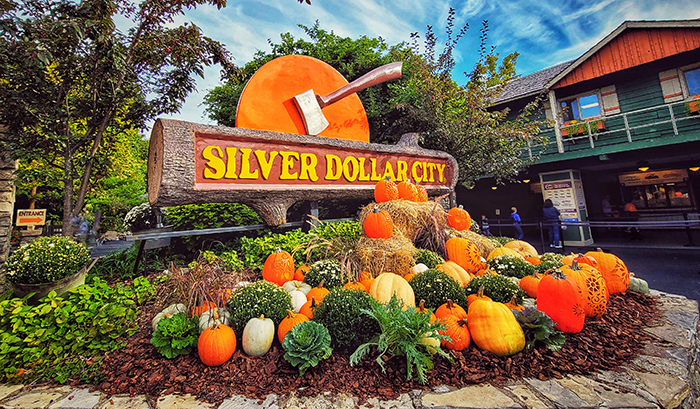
(610, 103)
(671, 86)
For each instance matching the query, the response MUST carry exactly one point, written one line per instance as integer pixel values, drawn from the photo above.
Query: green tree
(450, 117)
(68, 73)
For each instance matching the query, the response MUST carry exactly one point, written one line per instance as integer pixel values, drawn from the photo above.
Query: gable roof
(631, 44)
(529, 85)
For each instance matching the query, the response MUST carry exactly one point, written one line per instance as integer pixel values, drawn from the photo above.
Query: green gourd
(213, 316)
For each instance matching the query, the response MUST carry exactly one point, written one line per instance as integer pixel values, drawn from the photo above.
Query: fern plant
(404, 331)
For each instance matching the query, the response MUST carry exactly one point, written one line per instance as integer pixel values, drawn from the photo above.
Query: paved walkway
(665, 375)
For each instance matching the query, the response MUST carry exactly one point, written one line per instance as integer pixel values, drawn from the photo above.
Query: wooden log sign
(191, 163)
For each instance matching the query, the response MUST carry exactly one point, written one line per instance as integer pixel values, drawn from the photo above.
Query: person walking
(485, 225)
(551, 222)
(515, 218)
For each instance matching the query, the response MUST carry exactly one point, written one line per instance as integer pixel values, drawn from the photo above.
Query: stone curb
(665, 375)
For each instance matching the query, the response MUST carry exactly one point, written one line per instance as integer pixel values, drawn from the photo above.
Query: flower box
(61, 286)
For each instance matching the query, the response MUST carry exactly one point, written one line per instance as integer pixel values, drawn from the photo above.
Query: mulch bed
(604, 343)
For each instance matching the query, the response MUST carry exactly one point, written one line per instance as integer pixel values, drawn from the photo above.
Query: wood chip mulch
(604, 343)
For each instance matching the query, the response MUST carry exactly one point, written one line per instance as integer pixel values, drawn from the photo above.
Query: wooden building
(626, 125)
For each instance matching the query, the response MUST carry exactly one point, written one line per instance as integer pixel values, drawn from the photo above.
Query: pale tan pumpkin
(503, 251)
(524, 248)
(454, 270)
(387, 284)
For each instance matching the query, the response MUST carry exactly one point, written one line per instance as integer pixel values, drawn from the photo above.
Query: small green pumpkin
(168, 313)
(214, 316)
(638, 285)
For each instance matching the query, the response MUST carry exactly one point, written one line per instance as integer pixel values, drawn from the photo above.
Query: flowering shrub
(142, 217)
(46, 259)
(511, 266)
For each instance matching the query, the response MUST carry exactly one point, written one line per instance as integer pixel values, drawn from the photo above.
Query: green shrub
(117, 265)
(435, 287)
(62, 338)
(429, 258)
(306, 345)
(227, 261)
(256, 299)
(331, 240)
(143, 217)
(511, 266)
(549, 261)
(340, 312)
(497, 287)
(46, 259)
(328, 271)
(256, 250)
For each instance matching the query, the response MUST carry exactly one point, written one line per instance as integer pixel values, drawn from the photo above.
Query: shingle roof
(530, 84)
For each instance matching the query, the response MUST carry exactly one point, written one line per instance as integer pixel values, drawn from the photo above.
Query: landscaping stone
(7, 390)
(667, 389)
(126, 402)
(241, 402)
(555, 392)
(182, 402)
(78, 399)
(470, 397)
(671, 333)
(658, 365)
(38, 398)
(527, 398)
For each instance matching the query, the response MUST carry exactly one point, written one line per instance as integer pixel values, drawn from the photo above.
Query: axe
(310, 104)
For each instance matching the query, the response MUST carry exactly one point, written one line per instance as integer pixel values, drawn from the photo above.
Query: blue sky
(544, 32)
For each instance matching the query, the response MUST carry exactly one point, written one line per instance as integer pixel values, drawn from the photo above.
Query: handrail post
(627, 127)
(539, 222)
(673, 120)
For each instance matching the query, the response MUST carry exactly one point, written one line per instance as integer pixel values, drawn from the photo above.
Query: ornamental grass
(45, 260)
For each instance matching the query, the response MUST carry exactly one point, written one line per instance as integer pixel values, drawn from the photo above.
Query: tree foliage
(72, 81)
(450, 117)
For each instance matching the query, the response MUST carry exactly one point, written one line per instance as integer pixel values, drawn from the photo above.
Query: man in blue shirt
(515, 218)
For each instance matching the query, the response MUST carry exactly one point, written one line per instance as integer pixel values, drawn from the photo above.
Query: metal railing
(622, 128)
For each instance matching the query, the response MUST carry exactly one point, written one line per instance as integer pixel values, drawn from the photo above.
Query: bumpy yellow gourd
(493, 327)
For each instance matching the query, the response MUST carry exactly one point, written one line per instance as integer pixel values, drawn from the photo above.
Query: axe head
(311, 113)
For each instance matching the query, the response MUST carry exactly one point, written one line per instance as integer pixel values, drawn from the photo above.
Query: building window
(692, 80)
(581, 108)
(665, 195)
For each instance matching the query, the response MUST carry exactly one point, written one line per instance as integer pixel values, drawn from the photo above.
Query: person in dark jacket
(515, 218)
(551, 222)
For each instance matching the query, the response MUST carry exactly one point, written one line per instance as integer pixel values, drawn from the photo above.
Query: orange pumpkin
(464, 252)
(301, 272)
(385, 190)
(613, 269)
(421, 193)
(378, 224)
(458, 331)
(560, 297)
(529, 284)
(534, 260)
(355, 285)
(199, 309)
(459, 219)
(278, 267)
(308, 308)
(421, 309)
(503, 251)
(216, 345)
(513, 305)
(592, 285)
(409, 276)
(318, 292)
(450, 308)
(454, 270)
(407, 190)
(288, 323)
(580, 259)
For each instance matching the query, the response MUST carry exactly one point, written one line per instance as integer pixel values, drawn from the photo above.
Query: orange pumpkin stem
(421, 306)
(290, 313)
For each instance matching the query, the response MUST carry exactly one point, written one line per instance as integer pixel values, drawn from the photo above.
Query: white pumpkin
(418, 268)
(298, 300)
(258, 335)
(294, 285)
(167, 313)
(213, 316)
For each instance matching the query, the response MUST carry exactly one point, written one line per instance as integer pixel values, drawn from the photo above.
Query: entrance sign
(31, 217)
(194, 163)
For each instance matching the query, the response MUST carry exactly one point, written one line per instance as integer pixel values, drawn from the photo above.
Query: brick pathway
(665, 375)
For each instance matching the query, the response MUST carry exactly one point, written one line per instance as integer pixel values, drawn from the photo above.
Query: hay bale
(393, 255)
(484, 244)
(409, 217)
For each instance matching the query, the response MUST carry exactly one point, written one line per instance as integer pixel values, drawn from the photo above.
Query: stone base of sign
(7, 204)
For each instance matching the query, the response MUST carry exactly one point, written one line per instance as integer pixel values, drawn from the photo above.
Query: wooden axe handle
(376, 76)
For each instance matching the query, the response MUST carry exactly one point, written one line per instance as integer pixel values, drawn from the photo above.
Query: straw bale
(409, 217)
(484, 244)
(394, 255)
